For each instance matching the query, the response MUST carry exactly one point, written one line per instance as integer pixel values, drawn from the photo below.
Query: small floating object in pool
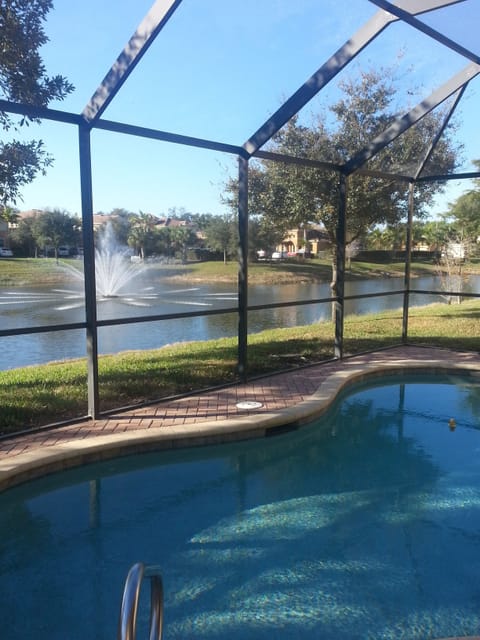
(452, 424)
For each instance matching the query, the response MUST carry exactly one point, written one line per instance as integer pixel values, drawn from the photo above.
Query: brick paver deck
(278, 396)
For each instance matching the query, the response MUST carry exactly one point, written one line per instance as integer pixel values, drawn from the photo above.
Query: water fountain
(114, 271)
(113, 268)
(124, 288)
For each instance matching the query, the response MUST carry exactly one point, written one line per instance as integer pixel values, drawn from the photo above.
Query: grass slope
(34, 396)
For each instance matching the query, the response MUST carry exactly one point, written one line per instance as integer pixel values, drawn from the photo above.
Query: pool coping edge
(40, 461)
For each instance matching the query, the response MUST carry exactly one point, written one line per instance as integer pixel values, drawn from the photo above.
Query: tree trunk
(333, 283)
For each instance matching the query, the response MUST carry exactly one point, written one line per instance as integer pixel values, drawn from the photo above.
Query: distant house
(172, 223)
(101, 219)
(422, 244)
(307, 240)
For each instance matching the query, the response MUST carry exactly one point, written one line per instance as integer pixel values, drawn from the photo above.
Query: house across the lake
(307, 241)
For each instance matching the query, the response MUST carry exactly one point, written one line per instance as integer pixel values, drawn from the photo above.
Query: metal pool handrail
(131, 593)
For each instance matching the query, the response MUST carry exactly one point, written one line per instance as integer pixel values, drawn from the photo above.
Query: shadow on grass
(460, 312)
(55, 393)
(202, 368)
(39, 396)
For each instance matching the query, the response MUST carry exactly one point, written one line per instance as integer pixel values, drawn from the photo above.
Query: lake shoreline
(27, 272)
(278, 276)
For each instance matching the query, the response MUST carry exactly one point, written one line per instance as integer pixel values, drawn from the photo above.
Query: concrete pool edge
(39, 460)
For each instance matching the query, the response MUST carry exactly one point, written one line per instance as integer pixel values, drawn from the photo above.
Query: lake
(42, 306)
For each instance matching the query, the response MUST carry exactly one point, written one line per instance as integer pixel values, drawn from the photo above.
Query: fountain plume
(113, 271)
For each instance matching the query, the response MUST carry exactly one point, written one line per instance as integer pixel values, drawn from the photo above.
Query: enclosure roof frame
(163, 10)
(343, 56)
(91, 118)
(145, 34)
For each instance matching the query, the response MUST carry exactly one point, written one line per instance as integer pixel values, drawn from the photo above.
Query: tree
(121, 221)
(437, 233)
(182, 238)
(9, 215)
(141, 231)
(458, 235)
(450, 267)
(221, 235)
(289, 195)
(22, 237)
(374, 239)
(262, 235)
(51, 229)
(393, 237)
(464, 213)
(200, 220)
(23, 79)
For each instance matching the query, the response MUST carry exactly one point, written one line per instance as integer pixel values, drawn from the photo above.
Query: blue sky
(218, 70)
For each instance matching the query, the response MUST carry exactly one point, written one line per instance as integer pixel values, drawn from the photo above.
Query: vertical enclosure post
(89, 270)
(242, 266)
(408, 261)
(340, 266)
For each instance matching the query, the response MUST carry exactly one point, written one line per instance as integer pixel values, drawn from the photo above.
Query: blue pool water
(363, 525)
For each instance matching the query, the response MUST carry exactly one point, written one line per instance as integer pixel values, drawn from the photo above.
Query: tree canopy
(288, 195)
(55, 227)
(465, 211)
(221, 235)
(23, 78)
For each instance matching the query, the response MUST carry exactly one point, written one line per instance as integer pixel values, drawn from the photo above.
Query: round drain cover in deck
(249, 404)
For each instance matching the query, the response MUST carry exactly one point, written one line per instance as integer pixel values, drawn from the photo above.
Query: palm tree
(182, 238)
(141, 231)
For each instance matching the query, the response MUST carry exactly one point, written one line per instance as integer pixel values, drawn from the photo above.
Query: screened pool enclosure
(373, 28)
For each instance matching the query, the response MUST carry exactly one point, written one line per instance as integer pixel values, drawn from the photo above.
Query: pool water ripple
(365, 524)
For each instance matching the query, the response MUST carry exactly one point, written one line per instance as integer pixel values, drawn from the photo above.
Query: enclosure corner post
(89, 270)
(408, 261)
(242, 266)
(340, 267)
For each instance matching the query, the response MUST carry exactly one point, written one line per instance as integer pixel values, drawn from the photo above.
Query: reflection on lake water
(42, 306)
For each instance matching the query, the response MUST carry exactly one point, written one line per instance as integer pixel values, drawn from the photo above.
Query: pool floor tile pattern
(275, 393)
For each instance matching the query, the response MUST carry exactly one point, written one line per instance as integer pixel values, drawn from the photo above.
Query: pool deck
(291, 398)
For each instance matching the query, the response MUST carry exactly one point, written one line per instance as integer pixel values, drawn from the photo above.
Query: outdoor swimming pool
(365, 524)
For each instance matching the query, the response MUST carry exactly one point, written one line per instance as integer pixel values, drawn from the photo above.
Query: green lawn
(24, 271)
(34, 396)
(17, 272)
